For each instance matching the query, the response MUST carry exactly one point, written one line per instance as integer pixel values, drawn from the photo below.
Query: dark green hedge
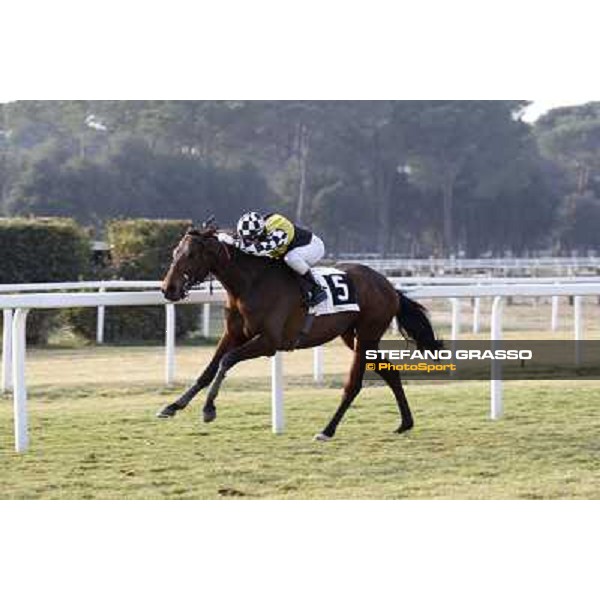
(42, 250)
(141, 249)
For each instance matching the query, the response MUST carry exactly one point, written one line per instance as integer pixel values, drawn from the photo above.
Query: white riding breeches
(302, 258)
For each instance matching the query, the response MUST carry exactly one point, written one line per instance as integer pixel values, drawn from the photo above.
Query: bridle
(190, 281)
(188, 284)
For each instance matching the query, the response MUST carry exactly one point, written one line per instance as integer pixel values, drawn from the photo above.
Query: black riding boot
(316, 294)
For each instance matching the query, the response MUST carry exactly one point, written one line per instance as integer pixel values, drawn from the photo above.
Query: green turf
(102, 441)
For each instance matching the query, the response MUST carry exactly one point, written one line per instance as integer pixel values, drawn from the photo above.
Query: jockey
(276, 237)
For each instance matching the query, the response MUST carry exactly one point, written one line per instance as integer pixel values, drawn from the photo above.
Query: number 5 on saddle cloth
(341, 295)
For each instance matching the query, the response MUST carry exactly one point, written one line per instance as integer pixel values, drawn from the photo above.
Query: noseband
(188, 284)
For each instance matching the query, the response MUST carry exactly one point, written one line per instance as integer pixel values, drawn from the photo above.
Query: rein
(225, 247)
(190, 282)
(211, 277)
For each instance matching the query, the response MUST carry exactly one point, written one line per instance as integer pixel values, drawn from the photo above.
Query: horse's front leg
(226, 343)
(260, 345)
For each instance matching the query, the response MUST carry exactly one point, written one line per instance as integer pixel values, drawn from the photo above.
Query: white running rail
(22, 303)
(565, 264)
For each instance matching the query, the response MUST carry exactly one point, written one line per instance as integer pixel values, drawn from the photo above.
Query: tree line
(410, 177)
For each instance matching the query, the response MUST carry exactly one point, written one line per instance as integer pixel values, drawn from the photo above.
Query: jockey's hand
(226, 238)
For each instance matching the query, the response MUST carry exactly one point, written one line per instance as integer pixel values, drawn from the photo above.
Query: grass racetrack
(94, 435)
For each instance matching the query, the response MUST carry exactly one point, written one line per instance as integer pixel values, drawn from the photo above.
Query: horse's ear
(192, 231)
(210, 223)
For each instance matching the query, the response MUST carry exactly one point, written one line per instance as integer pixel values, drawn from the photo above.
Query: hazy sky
(539, 107)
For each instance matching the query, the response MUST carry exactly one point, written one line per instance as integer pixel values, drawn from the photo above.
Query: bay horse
(265, 313)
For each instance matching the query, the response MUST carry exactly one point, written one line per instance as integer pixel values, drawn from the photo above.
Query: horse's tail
(414, 323)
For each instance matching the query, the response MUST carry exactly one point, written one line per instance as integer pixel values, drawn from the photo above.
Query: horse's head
(196, 255)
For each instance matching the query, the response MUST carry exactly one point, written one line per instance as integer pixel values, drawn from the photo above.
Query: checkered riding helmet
(250, 226)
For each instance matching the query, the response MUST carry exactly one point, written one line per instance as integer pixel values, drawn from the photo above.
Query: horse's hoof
(167, 412)
(209, 415)
(403, 428)
(322, 437)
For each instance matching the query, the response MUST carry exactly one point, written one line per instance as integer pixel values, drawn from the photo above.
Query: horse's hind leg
(349, 338)
(352, 387)
(392, 378)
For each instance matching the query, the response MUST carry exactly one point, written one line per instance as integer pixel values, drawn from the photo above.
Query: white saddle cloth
(341, 295)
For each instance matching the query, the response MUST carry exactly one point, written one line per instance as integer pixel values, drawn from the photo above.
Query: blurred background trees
(405, 177)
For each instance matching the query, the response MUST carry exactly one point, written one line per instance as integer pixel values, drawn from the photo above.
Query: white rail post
(318, 364)
(169, 343)
(19, 382)
(277, 416)
(455, 318)
(496, 403)
(476, 313)
(7, 319)
(554, 317)
(578, 327)
(100, 321)
(206, 320)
